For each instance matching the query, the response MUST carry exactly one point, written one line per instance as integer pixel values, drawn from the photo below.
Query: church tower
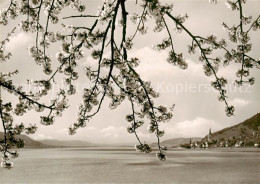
(209, 135)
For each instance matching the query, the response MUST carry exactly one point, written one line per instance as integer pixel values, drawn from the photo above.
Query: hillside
(29, 142)
(177, 142)
(247, 131)
(70, 143)
(49, 143)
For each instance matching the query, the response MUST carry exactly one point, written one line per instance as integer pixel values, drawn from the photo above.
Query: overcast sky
(197, 108)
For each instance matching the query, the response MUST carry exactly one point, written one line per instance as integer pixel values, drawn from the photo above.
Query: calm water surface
(113, 165)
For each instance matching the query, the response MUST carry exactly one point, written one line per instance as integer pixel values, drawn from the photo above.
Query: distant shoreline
(230, 149)
(115, 148)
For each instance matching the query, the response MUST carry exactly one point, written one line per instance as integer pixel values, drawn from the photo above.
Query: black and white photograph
(129, 91)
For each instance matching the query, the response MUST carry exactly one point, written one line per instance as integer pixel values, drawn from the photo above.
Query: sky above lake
(196, 106)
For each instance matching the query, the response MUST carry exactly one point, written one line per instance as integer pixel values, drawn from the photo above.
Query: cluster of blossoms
(177, 60)
(211, 66)
(27, 102)
(107, 11)
(142, 96)
(213, 1)
(11, 12)
(162, 46)
(234, 5)
(114, 76)
(3, 55)
(143, 148)
(10, 131)
(161, 156)
(129, 81)
(135, 18)
(40, 59)
(5, 163)
(173, 58)
(239, 34)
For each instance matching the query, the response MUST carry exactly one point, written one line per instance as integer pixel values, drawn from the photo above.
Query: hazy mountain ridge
(49, 143)
(247, 131)
(69, 143)
(28, 142)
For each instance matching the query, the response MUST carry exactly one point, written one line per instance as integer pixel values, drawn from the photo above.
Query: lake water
(124, 165)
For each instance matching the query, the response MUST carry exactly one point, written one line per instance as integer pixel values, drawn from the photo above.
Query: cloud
(112, 134)
(144, 135)
(238, 102)
(62, 131)
(198, 127)
(65, 131)
(91, 128)
(112, 131)
(20, 40)
(150, 60)
(156, 63)
(108, 129)
(40, 136)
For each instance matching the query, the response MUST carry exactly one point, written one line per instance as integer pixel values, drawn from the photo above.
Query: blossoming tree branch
(115, 76)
